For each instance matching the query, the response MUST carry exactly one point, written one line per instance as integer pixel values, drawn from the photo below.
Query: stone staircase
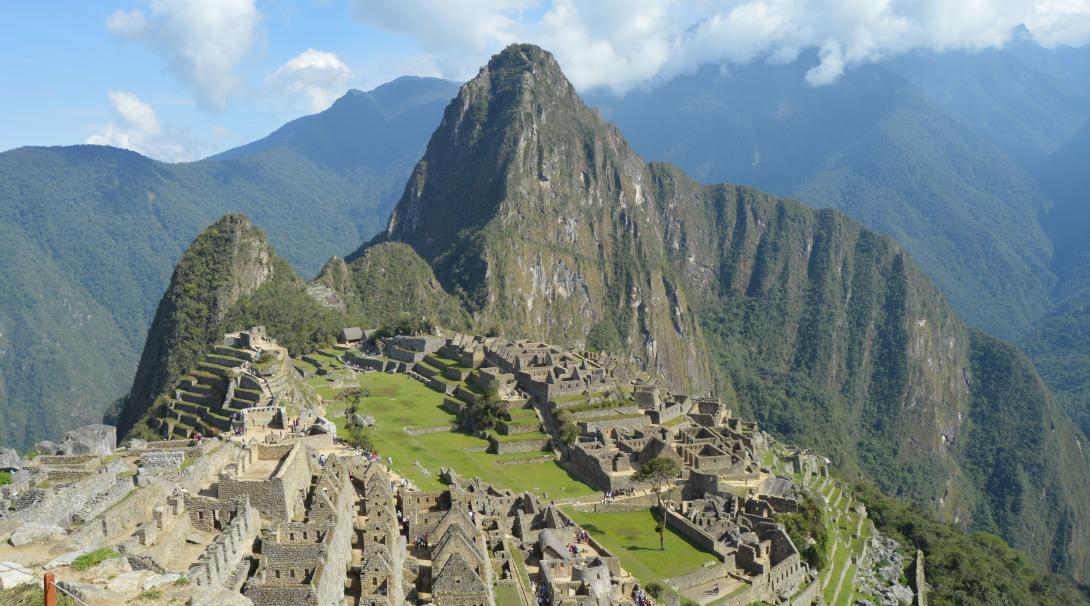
(205, 399)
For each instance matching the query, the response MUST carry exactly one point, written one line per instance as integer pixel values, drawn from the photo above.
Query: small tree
(485, 412)
(659, 474)
(569, 432)
(358, 437)
(353, 397)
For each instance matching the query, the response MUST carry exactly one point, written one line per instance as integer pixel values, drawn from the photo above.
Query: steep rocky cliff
(537, 215)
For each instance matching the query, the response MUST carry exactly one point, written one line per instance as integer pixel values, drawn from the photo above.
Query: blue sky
(60, 62)
(183, 79)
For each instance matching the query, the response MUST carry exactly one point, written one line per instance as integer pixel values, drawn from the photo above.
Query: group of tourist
(641, 598)
(541, 593)
(423, 542)
(609, 495)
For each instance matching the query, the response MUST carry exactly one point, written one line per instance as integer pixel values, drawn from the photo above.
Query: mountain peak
(521, 71)
(507, 128)
(522, 56)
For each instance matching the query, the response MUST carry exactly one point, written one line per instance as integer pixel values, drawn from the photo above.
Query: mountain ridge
(92, 233)
(580, 238)
(875, 147)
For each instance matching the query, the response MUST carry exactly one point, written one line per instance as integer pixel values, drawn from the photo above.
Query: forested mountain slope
(1060, 343)
(229, 278)
(89, 234)
(1027, 108)
(875, 147)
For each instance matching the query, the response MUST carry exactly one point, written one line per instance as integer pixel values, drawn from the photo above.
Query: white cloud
(136, 127)
(456, 33)
(317, 76)
(623, 43)
(203, 41)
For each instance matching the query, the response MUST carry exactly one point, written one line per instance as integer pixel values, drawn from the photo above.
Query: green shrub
(89, 560)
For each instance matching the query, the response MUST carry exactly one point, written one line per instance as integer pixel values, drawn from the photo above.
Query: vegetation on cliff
(230, 278)
(964, 569)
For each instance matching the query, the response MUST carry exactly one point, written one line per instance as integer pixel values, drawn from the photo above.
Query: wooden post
(50, 589)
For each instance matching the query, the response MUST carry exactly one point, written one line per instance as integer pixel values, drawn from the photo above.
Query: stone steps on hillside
(202, 400)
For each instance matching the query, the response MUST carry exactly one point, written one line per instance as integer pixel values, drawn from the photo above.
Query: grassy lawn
(530, 436)
(631, 536)
(845, 597)
(508, 594)
(674, 422)
(396, 401)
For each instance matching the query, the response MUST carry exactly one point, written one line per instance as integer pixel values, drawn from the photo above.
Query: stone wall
(212, 460)
(706, 574)
(808, 595)
(116, 520)
(96, 506)
(217, 564)
(587, 468)
(162, 462)
(601, 412)
(163, 516)
(329, 581)
(207, 514)
(64, 460)
(279, 497)
(698, 537)
(58, 504)
(590, 425)
(419, 431)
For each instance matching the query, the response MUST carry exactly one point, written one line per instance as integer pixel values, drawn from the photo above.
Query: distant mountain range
(875, 147)
(89, 234)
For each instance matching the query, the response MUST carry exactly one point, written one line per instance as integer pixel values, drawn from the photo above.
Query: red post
(50, 589)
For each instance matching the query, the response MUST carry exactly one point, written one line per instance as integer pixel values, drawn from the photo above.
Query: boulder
(118, 467)
(88, 594)
(131, 582)
(108, 569)
(47, 448)
(36, 533)
(218, 596)
(10, 460)
(903, 594)
(68, 558)
(90, 439)
(362, 420)
(14, 575)
(160, 579)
